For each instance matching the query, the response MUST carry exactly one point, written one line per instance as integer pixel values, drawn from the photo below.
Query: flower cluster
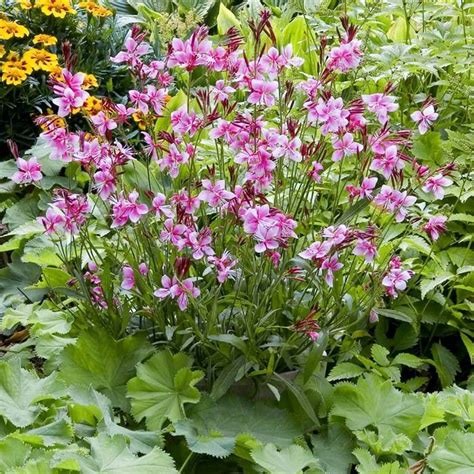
(232, 187)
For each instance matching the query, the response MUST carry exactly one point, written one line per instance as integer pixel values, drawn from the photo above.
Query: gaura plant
(235, 202)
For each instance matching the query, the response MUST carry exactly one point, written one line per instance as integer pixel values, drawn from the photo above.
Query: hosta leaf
(374, 402)
(163, 384)
(290, 460)
(21, 391)
(455, 455)
(99, 361)
(111, 455)
(345, 370)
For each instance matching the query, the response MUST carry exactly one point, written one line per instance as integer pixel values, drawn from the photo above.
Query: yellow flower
(25, 4)
(14, 62)
(92, 105)
(90, 81)
(140, 118)
(57, 8)
(13, 76)
(2, 51)
(10, 29)
(46, 40)
(50, 122)
(94, 9)
(56, 73)
(40, 59)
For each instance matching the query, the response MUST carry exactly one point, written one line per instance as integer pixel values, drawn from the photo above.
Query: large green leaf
(13, 453)
(163, 385)
(112, 455)
(21, 392)
(455, 455)
(99, 361)
(375, 402)
(290, 460)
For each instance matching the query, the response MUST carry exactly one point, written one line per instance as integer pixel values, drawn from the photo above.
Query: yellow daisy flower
(94, 9)
(90, 81)
(15, 62)
(2, 51)
(46, 40)
(25, 4)
(13, 76)
(11, 29)
(92, 105)
(50, 122)
(40, 59)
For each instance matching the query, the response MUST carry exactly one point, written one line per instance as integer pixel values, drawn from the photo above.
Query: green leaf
(41, 251)
(58, 432)
(163, 384)
(393, 314)
(455, 455)
(21, 391)
(226, 19)
(111, 455)
(83, 363)
(379, 354)
(375, 402)
(409, 360)
(232, 416)
(427, 285)
(226, 378)
(446, 364)
(203, 441)
(345, 370)
(290, 460)
(13, 453)
(333, 448)
(468, 344)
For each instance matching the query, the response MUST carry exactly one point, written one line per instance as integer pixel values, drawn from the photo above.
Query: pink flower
(103, 123)
(435, 185)
(256, 216)
(221, 92)
(173, 160)
(266, 239)
(365, 189)
(262, 92)
(160, 207)
(175, 289)
(68, 101)
(331, 114)
(151, 147)
(396, 280)
(105, 182)
(140, 100)
(200, 243)
(424, 118)
(172, 233)
(184, 122)
(345, 146)
(53, 221)
(214, 193)
(435, 226)
(133, 51)
(29, 171)
(346, 56)
(224, 266)
(365, 248)
(380, 105)
(316, 251)
(331, 265)
(190, 53)
(288, 148)
(387, 163)
(128, 281)
(315, 170)
(336, 235)
(168, 287)
(124, 210)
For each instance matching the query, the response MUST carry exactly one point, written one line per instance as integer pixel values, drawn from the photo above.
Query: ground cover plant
(254, 258)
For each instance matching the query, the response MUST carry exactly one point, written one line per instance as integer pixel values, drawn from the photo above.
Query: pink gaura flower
(221, 91)
(168, 287)
(424, 118)
(172, 232)
(127, 209)
(224, 266)
(133, 51)
(173, 160)
(184, 122)
(388, 162)
(335, 235)
(365, 248)
(180, 290)
(315, 170)
(190, 53)
(331, 265)
(29, 171)
(53, 221)
(316, 251)
(435, 185)
(345, 146)
(159, 206)
(200, 243)
(139, 100)
(435, 226)
(330, 114)
(68, 101)
(187, 203)
(365, 189)
(105, 182)
(128, 281)
(267, 238)
(396, 279)
(380, 105)
(151, 146)
(288, 148)
(214, 193)
(256, 216)
(392, 200)
(346, 56)
(103, 123)
(263, 92)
